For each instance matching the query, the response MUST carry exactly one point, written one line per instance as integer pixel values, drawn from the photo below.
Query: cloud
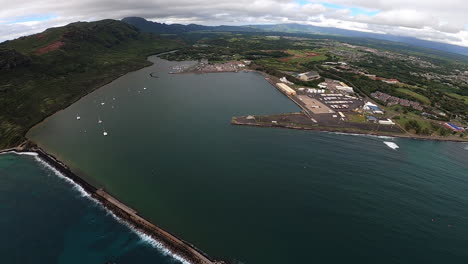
(428, 19)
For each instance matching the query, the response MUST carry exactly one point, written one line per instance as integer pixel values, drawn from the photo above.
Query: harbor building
(286, 89)
(309, 76)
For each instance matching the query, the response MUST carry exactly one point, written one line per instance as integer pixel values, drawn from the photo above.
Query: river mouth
(241, 193)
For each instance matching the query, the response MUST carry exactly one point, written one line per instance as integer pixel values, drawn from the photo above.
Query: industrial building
(345, 88)
(286, 89)
(373, 108)
(453, 127)
(386, 122)
(309, 76)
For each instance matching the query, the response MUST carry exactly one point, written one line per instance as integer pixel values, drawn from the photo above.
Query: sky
(436, 20)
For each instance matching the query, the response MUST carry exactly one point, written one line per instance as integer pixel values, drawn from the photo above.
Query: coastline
(345, 130)
(177, 247)
(99, 86)
(172, 243)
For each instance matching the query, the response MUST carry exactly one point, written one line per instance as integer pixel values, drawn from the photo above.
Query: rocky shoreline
(169, 241)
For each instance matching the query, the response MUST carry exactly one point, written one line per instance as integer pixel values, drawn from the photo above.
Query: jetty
(175, 245)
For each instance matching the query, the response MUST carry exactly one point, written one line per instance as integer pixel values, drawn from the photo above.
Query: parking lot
(313, 105)
(338, 102)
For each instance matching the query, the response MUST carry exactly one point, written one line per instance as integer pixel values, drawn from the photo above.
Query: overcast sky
(437, 20)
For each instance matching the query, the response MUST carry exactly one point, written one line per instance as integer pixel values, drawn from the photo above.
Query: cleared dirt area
(54, 46)
(298, 55)
(315, 106)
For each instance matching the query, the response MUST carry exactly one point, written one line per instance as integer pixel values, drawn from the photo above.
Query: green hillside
(43, 73)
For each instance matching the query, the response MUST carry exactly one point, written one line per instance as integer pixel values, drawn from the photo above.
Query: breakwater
(180, 249)
(243, 121)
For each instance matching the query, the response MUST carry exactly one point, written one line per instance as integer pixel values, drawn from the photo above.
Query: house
(309, 76)
(390, 81)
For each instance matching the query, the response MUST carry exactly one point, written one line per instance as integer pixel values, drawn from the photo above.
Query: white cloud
(428, 19)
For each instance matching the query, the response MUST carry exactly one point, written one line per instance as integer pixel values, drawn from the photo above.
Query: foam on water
(361, 135)
(144, 237)
(20, 153)
(391, 145)
(76, 186)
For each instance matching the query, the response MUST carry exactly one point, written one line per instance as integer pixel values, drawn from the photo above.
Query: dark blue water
(45, 219)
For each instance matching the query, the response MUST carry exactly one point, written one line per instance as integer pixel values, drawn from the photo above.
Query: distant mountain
(298, 28)
(161, 28)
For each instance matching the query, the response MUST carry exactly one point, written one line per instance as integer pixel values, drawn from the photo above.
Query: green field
(281, 66)
(415, 95)
(461, 97)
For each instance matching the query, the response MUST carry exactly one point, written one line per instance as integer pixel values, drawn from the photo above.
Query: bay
(258, 195)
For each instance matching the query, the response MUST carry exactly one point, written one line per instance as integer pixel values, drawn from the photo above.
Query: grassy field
(92, 55)
(415, 95)
(280, 65)
(461, 97)
(356, 118)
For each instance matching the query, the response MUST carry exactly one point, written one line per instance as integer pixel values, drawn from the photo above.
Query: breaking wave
(144, 237)
(20, 153)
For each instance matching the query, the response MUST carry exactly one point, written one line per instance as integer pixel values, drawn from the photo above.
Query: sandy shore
(169, 241)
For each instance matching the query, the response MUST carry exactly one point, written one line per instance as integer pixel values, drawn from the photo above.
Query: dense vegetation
(43, 73)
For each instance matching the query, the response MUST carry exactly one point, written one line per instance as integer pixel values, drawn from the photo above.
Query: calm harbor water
(46, 219)
(258, 195)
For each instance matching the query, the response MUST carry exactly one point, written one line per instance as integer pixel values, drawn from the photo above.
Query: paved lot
(314, 105)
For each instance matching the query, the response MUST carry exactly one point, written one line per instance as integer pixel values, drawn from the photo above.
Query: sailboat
(99, 120)
(78, 117)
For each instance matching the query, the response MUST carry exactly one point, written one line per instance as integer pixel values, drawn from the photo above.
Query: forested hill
(161, 28)
(43, 73)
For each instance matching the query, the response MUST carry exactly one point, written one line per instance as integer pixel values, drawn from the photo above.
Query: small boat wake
(391, 145)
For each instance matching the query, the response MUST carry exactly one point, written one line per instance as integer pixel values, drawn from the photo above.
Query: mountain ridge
(162, 28)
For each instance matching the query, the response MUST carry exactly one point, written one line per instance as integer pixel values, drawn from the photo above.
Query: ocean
(262, 195)
(46, 218)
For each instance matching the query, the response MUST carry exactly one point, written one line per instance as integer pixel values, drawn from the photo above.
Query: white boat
(104, 133)
(391, 145)
(78, 117)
